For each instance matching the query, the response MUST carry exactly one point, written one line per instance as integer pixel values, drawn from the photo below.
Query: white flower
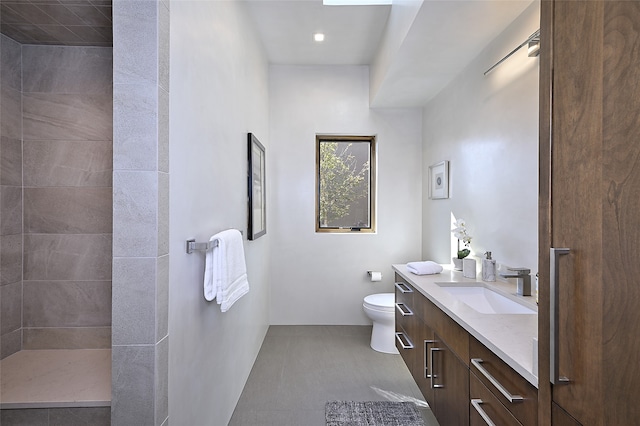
(460, 232)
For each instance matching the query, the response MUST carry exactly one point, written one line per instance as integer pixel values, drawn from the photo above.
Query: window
(345, 183)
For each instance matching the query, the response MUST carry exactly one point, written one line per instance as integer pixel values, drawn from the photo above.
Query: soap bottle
(488, 268)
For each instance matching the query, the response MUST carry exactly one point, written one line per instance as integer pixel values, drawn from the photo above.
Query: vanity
(469, 346)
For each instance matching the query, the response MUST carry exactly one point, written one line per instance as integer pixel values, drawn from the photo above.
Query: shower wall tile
(163, 214)
(10, 63)
(67, 116)
(162, 297)
(66, 303)
(135, 40)
(66, 210)
(10, 116)
(11, 308)
(163, 45)
(25, 417)
(67, 69)
(10, 343)
(80, 416)
(66, 338)
(11, 162)
(135, 204)
(132, 385)
(73, 257)
(77, 416)
(163, 130)
(162, 381)
(134, 300)
(68, 163)
(135, 129)
(10, 259)
(11, 208)
(62, 34)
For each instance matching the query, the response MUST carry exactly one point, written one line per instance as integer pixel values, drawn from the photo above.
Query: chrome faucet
(523, 279)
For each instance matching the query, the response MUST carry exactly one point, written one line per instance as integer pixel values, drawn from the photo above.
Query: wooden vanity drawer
(483, 401)
(525, 410)
(406, 321)
(404, 293)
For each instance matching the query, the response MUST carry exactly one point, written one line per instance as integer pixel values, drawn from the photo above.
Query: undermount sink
(486, 301)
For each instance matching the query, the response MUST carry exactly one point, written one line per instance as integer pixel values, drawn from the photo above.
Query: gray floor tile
(300, 368)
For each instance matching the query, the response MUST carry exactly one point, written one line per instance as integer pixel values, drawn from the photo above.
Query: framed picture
(257, 196)
(439, 180)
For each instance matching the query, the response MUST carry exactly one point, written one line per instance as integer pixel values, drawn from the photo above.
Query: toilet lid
(381, 300)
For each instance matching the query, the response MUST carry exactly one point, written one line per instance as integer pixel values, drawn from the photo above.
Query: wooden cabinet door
(576, 187)
(423, 368)
(451, 386)
(590, 133)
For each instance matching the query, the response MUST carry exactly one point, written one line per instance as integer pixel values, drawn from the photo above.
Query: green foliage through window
(345, 177)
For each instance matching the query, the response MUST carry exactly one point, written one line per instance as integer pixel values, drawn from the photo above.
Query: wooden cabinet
(484, 406)
(436, 367)
(451, 385)
(458, 376)
(589, 203)
(509, 389)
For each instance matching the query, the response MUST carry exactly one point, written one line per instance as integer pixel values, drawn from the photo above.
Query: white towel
(424, 268)
(225, 272)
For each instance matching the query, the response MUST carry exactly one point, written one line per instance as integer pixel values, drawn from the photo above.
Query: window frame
(373, 176)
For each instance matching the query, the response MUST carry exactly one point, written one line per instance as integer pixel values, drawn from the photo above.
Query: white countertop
(509, 336)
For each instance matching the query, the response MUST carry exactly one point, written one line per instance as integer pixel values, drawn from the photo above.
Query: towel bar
(193, 246)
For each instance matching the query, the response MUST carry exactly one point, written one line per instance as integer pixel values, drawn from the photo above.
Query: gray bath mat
(372, 413)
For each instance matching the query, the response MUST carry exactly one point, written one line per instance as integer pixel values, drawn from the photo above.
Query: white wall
(487, 127)
(401, 17)
(321, 278)
(219, 92)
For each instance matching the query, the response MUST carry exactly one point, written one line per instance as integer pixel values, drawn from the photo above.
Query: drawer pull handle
(476, 404)
(404, 311)
(554, 302)
(403, 287)
(400, 336)
(427, 374)
(433, 369)
(477, 362)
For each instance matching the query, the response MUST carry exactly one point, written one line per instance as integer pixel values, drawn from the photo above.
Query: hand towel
(225, 272)
(424, 268)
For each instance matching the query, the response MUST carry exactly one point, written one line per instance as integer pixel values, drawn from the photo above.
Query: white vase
(457, 263)
(469, 267)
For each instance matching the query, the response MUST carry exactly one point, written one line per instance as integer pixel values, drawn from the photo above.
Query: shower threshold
(56, 378)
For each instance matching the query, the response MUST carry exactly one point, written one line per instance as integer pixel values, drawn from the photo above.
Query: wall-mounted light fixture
(534, 46)
(533, 49)
(319, 37)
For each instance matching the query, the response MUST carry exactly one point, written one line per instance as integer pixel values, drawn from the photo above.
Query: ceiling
(58, 22)
(440, 40)
(425, 43)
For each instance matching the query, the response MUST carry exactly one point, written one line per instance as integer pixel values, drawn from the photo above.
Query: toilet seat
(380, 302)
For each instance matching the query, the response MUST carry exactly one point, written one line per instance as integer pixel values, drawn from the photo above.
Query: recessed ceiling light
(318, 37)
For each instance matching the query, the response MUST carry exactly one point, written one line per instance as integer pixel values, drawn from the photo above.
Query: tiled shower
(115, 158)
(56, 115)
(65, 155)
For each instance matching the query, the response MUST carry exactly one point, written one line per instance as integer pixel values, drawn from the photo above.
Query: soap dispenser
(488, 268)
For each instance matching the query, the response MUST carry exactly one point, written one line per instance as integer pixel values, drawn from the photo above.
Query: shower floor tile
(56, 378)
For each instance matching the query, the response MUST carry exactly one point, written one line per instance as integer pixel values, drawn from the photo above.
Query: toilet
(380, 308)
